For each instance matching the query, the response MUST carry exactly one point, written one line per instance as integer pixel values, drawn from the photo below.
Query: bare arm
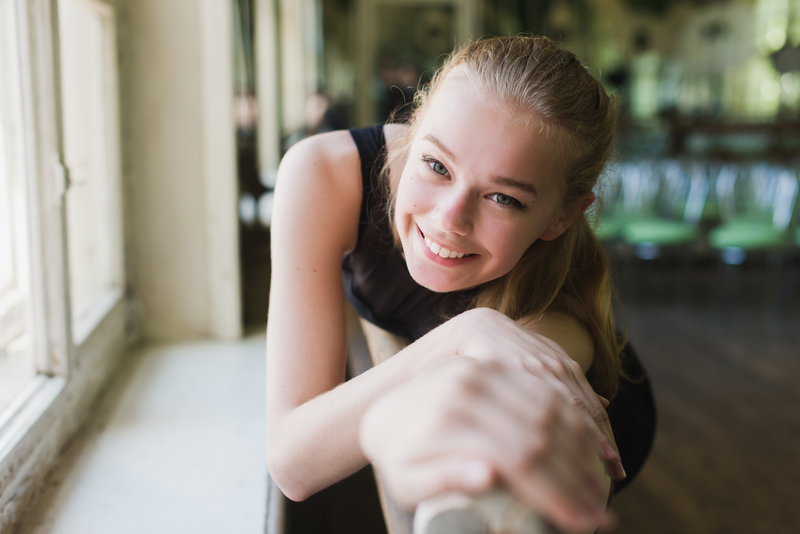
(312, 416)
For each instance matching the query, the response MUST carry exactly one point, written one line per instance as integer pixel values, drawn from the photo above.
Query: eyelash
(515, 204)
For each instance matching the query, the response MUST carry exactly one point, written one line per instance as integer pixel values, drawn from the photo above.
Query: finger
(552, 357)
(552, 430)
(523, 400)
(561, 487)
(588, 400)
(518, 413)
(599, 414)
(572, 393)
(603, 439)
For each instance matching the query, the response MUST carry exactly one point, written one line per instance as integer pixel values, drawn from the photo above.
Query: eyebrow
(519, 184)
(439, 145)
(499, 180)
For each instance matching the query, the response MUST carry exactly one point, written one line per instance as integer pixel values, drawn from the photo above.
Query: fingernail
(621, 471)
(609, 452)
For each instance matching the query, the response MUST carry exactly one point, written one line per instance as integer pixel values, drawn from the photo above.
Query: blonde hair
(569, 274)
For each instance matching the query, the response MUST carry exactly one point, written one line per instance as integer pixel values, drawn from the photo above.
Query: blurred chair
(756, 205)
(664, 202)
(756, 208)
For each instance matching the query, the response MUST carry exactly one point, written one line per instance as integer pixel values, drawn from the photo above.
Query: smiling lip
(440, 260)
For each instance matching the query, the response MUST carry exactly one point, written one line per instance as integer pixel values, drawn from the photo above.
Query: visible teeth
(441, 251)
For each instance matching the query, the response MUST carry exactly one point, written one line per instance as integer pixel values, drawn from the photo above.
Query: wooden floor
(727, 452)
(726, 375)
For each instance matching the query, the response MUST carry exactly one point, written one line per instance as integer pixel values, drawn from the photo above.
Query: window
(91, 148)
(17, 360)
(62, 312)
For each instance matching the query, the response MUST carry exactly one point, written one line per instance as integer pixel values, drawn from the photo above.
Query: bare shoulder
(568, 332)
(319, 182)
(393, 132)
(332, 155)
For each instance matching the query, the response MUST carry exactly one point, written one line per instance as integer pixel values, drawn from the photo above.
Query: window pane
(17, 364)
(90, 145)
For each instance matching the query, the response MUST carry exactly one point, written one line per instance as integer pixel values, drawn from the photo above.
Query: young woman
(464, 231)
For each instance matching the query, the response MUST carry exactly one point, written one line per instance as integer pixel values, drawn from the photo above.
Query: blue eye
(436, 166)
(505, 200)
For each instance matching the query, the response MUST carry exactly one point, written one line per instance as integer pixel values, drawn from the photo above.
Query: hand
(486, 334)
(464, 425)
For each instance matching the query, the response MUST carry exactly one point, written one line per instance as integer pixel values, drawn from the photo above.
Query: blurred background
(139, 147)
(706, 166)
(700, 210)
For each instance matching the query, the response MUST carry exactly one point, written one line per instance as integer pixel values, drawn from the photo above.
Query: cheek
(405, 204)
(412, 197)
(510, 241)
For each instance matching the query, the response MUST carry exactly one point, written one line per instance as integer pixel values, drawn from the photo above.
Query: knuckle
(596, 410)
(604, 418)
(600, 414)
(575, 367)
(558, 368)
(577, 402)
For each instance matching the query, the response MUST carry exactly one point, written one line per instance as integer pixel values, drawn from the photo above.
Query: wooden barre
(493, 512)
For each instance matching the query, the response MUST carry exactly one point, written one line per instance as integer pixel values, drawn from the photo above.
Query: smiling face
(479, 187)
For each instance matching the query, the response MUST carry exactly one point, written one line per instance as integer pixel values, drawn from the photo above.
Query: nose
(454, 212)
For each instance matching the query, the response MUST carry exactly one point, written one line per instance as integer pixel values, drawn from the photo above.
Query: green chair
(756, 206)
(661, 205)
(665, 203)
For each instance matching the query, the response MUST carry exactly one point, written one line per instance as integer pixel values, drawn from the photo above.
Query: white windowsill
(177, 445)
(83, 326)
(24, 411)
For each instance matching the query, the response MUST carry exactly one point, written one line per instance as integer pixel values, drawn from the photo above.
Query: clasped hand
(509, 408)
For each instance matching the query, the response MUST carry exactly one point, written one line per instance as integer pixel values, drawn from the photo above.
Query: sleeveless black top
(376, 280)
(381, 290)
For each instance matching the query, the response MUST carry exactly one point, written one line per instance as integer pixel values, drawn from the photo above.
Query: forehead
(487, 136)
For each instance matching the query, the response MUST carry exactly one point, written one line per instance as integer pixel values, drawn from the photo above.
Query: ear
(569, 216)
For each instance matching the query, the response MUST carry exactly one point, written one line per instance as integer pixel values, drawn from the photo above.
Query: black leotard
(379, 287)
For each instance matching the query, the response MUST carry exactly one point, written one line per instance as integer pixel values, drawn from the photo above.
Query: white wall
(179, 167)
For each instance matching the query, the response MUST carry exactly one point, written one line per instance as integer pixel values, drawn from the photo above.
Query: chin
(436, 281)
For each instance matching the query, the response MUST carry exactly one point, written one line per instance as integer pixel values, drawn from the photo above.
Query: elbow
(285, 475)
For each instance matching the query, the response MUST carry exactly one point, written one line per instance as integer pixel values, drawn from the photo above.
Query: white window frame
(105, 301)
(15, 297)
(74, 361)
